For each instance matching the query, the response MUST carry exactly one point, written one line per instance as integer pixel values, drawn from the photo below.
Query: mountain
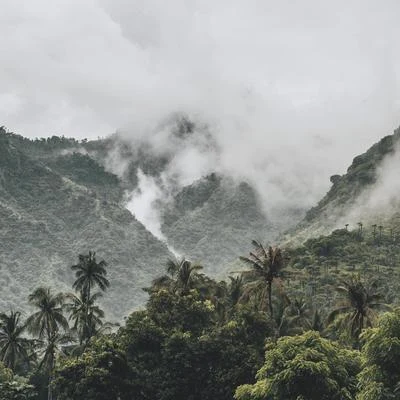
(214, 220)
(56, 204)
(61, 197)
(366, 195)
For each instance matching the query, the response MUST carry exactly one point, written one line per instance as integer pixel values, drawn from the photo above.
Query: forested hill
(60, 197)
(54, 207)
(366, 194)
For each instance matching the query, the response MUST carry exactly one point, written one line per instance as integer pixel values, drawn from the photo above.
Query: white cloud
(290, 90)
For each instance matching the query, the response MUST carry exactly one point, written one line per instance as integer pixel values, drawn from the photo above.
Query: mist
(379, 203)
(283, 94)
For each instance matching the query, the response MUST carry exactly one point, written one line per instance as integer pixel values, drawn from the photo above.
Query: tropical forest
(297, 316)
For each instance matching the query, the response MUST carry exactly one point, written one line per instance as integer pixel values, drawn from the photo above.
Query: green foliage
(100, 373)
(213, 219)
(380, 377)
(14, 387)
(49, 318)
(180, 361)
(266, 265)
(186, 313)
(53, 206)
(358, 306)
(304, 367)
(14, 347)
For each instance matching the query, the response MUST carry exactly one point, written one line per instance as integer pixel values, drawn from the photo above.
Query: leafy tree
(266, 266)
(180, 364)
(13, 387)
(188, 313)
(14, 348)
(100, 373)
(380, 377)
(305, 367)
(358, 306)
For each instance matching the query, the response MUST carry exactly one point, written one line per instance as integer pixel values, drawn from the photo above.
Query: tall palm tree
(52, 347)
(235, 290)
(47, 323)
(85, 315)
(358, 306)
(266, 266)
(49, 318)
(90, 273)
(184, 274)
(14, 348)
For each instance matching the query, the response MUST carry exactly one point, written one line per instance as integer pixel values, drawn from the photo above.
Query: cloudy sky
(307, 84)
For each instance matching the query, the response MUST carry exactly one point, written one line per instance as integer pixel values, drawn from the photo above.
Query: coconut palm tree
(52, 347)
(85, 314)
(47, 324)
(184, 274)
(49, 318)
(90, 273)
(235, 290)
(358, 306)
(266, 266)
(14, 348)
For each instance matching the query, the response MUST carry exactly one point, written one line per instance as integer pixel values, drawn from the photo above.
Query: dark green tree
(90, 273)
(14, 348)
(184, 275)
(266, 266)
(100, 373)
(86, 316)
(304, 367)
(48, 324)
(49, 318)
(380, 378)
(358, 306)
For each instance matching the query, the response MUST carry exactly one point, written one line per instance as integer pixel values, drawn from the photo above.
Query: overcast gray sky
(308, 84)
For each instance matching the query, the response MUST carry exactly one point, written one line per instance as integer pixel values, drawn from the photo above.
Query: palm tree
(46, 324)
(358, 306)
(49, 318)
(184, 274)
(85, 314)
(235, 290)
(13, 347)
(52, 347)
(266, 266)
(89, 273)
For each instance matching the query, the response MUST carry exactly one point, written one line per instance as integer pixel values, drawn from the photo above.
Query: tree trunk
(269, 292)
(49, 389)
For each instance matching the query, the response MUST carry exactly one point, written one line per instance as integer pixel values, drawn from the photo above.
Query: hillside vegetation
(310, 321)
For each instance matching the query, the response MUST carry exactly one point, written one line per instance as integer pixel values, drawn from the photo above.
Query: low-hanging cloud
(379, 203)
(288, 91)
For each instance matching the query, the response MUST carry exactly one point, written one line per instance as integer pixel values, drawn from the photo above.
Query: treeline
(250, 338)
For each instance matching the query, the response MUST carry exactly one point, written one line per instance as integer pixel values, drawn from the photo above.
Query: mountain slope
(366, 194)
(214, 220)
(51, 213)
